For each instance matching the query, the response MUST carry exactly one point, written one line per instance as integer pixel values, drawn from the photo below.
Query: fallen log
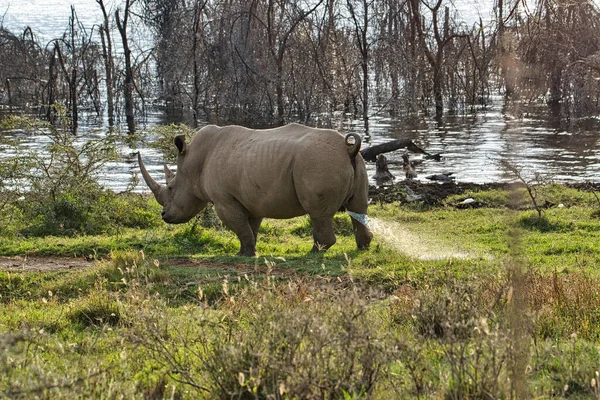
(371, 152)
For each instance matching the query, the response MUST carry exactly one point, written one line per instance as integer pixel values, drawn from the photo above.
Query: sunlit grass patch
(97, 309)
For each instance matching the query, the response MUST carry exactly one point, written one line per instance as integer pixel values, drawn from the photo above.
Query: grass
(168, 312)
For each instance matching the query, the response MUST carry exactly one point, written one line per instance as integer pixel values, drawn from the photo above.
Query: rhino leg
(362, 233)
(323, 235)
(255, 225)
(235, 217)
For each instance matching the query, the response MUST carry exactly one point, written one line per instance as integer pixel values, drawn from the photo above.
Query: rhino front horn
(152, 184)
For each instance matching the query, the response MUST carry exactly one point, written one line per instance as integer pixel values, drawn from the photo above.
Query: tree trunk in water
(365, 65)
(370, 153)
(128, 95)
(73, 93)
(51, 112)
(74, 101)
(197, 84)
(555, 86)
(438, 94)
(365, 108)
(109, 68)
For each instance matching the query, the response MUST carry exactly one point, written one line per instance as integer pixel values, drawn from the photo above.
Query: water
(472, 145)
(49, 18)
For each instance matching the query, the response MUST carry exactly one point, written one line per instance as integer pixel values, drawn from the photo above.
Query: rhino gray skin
(274, 173)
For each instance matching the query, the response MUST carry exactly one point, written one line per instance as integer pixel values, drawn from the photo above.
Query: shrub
(13, 173)
(60, 194)
(273, 343)
(131, 210)
(164, 138)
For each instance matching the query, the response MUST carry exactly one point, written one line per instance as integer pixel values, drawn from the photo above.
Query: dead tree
(434, 53)
(109, 69)
(278, 41)
(361, 28)
(129, 85)
(197, 32)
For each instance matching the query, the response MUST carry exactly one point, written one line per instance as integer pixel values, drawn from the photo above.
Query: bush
(58, 194)
(89, 210)
(273, 343)
(164, 139)
(13, 173)
(131, 210)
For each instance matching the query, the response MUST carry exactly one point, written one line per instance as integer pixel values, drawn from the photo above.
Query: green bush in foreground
(272, 343)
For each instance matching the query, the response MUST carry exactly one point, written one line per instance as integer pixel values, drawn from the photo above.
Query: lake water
(472, 145)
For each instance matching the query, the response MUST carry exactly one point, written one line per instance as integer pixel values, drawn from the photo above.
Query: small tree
(530, 185)
(59, 191)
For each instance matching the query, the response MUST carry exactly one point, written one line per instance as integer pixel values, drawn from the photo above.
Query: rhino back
(276, 173)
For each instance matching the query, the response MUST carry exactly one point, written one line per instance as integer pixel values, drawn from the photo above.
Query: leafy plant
(273, 343)
(164, 137)
(57, 189)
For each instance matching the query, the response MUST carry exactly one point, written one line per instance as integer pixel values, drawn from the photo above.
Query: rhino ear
(180, 143)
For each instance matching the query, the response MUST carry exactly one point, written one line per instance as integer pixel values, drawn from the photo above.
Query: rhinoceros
(277, 173)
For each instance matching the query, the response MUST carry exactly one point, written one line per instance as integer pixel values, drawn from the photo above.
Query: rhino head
(180, 203)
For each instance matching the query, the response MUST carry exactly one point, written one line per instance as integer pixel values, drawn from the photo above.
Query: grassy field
(448, 303)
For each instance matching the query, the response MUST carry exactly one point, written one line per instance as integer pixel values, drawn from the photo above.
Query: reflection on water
(471, 146)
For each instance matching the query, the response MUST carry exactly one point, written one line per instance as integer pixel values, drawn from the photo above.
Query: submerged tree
(128, 89)
(555, 50)
(76, 56)
(361, 14)
(109, 63)
(434, 42)
(22, 70)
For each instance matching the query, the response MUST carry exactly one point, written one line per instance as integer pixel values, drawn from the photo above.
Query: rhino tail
(353, 143)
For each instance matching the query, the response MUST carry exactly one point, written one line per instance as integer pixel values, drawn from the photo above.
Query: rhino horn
(168, 173)
(156, 187)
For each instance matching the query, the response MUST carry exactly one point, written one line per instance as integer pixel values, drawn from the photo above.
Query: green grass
(169, 312)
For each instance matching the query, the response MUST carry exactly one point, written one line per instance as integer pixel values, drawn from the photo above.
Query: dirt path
(42, 263)
(413, 244)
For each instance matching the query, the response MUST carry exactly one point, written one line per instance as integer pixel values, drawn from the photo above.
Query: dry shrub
(472, 338)
(565, 304)
(272, 342)
(457, 322)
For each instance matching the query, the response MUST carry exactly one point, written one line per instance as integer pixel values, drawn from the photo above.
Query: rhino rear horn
(152, 184)
(169, 175)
